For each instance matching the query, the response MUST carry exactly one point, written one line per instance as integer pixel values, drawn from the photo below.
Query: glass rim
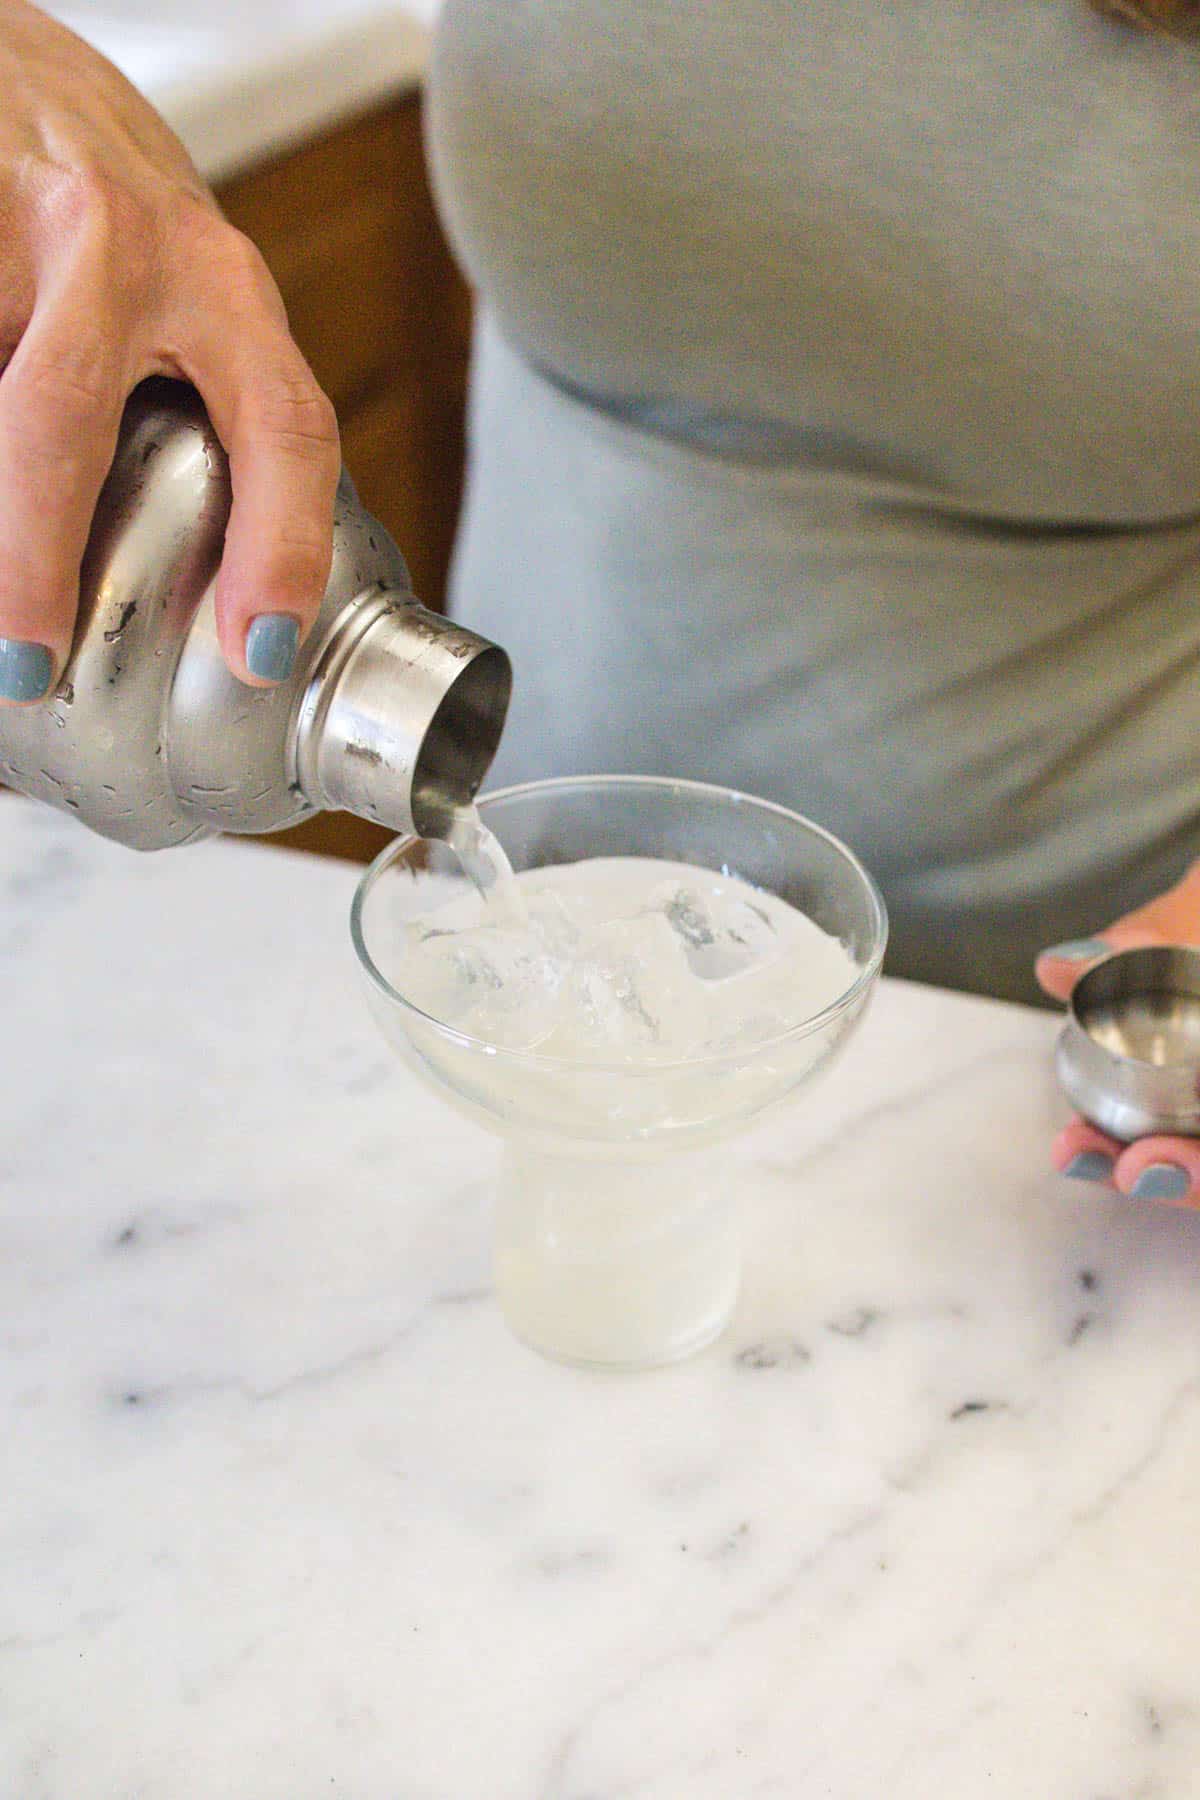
(534, 1059)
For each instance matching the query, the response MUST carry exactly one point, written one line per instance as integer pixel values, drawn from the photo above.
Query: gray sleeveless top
(836, 429)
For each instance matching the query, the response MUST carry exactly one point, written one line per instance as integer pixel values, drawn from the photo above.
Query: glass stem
(621, 1262)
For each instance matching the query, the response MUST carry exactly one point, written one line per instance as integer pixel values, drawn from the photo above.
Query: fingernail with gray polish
(1161, 1181)
(1079, 950)
(1090, 1165)
(26, 670)
(271, 645)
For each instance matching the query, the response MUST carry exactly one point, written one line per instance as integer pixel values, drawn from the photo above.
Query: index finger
(61, 398)
(280, 433)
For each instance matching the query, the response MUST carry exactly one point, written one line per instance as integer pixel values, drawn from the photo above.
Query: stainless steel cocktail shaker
(392, 712)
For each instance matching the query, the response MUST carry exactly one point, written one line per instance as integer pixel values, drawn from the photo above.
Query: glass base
(615, 1263)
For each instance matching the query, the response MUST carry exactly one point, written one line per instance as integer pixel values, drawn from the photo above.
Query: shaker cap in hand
(1129, 1053)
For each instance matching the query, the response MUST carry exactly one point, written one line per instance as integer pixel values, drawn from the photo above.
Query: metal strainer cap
(1129, 1053)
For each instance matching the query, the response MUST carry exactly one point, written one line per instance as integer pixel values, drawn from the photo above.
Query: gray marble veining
(285, 1513)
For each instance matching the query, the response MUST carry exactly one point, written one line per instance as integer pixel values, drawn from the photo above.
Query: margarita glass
(617, 1240)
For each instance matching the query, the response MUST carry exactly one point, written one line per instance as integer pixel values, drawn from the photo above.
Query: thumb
(1170, 918)
(1059, 968)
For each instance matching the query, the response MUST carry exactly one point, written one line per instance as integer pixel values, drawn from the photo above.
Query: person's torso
(956, 243)
(823, 349)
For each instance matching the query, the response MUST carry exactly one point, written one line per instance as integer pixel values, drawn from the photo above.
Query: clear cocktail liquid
(580, 969)
(483, 860)
(628, 960)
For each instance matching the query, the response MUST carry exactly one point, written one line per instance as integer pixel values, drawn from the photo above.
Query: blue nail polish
(1161, 1181)
(1090, 1165)
(271, 644)
(26, 670)
(1079, 950)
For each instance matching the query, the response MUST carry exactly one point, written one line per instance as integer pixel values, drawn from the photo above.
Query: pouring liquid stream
(485, 864)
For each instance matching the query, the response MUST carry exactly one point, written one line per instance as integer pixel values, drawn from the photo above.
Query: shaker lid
(1129, 1054)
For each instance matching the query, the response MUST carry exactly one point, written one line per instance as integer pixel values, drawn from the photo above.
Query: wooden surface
(348, 228)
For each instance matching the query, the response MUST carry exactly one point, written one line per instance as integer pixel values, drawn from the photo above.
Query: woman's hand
(116, 264)
(1153, 1168)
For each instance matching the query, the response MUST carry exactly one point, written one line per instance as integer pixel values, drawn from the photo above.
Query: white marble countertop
(242, 80)
(285, 1514)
